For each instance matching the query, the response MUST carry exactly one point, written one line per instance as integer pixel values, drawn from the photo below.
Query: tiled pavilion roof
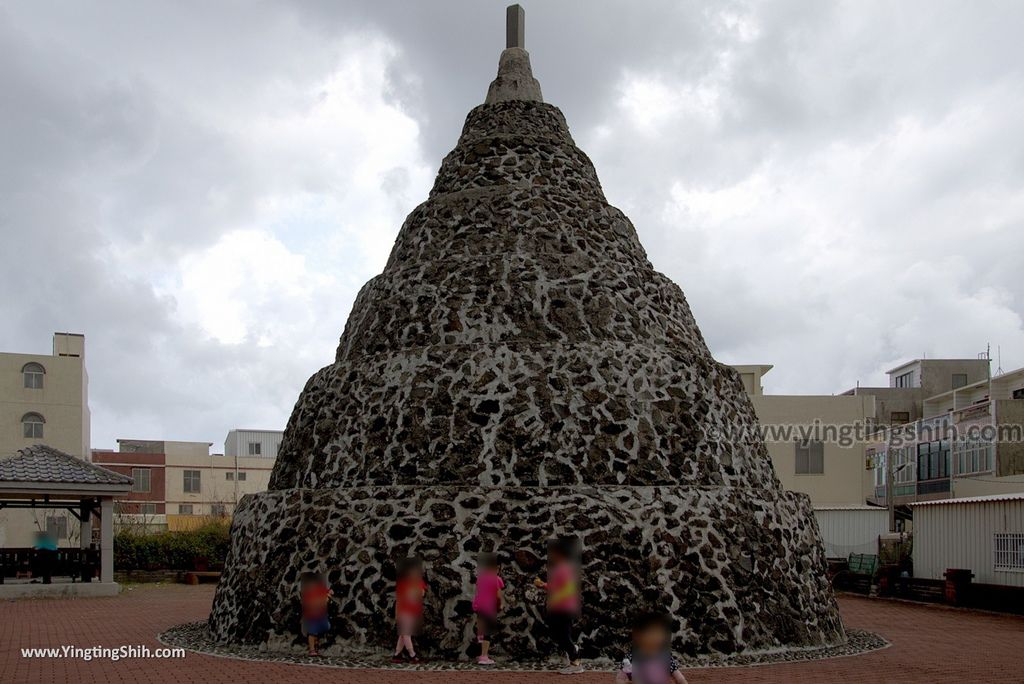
(41, 463)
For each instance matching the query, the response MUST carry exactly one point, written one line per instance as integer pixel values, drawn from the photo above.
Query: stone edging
(193, 636)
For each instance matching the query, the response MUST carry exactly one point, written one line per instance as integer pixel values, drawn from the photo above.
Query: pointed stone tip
(515, 79)
(515, 27)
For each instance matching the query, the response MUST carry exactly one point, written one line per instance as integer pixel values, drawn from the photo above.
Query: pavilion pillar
(107, 539)
(85, 524)
(85, 538)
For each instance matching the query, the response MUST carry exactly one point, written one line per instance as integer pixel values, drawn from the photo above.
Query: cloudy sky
(202, 187)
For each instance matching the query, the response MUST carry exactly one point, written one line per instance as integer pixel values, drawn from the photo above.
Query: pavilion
(41, 477)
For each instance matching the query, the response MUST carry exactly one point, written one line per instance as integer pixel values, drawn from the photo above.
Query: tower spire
(515, 27)
(515, 79)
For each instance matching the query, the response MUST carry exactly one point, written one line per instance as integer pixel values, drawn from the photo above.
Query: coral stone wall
(741, 573)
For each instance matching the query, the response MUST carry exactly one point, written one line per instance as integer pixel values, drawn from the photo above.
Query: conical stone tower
(520, 371)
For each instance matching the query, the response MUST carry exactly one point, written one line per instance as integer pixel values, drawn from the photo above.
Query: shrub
(134, 550)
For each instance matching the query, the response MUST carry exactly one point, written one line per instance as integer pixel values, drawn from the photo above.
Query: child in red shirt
(409, 592)
(314, 597)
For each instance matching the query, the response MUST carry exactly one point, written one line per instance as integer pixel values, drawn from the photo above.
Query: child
(651, 661)
(409, 591)
(314, 596)
(563, 600)
(487, 603)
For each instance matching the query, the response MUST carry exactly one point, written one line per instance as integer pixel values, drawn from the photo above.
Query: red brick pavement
(930, 644)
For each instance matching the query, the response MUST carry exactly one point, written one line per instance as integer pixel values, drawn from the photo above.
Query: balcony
(939, 486)
(901, 490)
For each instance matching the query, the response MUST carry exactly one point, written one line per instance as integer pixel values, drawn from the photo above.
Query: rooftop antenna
(999, 362)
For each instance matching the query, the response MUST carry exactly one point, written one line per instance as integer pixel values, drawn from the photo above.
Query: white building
(253, 443)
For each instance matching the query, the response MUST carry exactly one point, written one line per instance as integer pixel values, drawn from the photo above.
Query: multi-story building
(44, 399)
(967, 442)
(914, 381)
(178, 484)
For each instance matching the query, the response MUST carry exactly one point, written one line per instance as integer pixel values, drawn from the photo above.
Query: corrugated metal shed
(973, 499)
(984, 534)
(850, 529)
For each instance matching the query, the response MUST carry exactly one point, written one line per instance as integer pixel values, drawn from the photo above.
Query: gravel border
(194, 636)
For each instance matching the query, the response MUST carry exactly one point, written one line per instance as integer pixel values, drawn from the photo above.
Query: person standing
(487, 603)
(563, 604)
(314, 597)
(409, 592)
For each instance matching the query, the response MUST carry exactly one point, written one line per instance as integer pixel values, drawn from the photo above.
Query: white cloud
(248, 287)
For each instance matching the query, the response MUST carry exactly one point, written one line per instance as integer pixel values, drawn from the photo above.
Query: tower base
(693, 552)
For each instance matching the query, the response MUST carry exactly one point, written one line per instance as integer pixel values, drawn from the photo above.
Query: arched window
(33, 373)
(32, 425)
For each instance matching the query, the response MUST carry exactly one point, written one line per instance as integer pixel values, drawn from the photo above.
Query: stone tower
(520, 371)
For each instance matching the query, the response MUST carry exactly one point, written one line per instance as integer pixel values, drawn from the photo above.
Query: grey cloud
(122, 157)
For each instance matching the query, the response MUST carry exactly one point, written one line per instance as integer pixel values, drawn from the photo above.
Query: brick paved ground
(930, 644)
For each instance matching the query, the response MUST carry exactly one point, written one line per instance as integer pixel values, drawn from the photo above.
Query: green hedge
(134, 550)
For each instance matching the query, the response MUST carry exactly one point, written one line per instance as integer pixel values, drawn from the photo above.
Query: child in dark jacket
(563, 602)
(650, 661)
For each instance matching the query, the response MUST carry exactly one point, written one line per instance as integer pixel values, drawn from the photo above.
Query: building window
(1018, 393)
(899, 417)
(147, 508)
(255, 449)
(33, 374)
(230, 475)
(959, 380)
(905, 380)
(218, 510)
(32, 426)
(1008, 551)
(879, 461)
(192, 481)
(184, 509)
(57, 526)
(141, 480)
(933, 460)
(973, 456)
(903, 466)
(810, 457)
(241, 476)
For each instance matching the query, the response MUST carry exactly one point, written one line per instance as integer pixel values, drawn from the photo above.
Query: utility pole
(890, 493)
(890, 487)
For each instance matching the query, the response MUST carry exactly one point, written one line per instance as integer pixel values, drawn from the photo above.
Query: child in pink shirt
(487, 603)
